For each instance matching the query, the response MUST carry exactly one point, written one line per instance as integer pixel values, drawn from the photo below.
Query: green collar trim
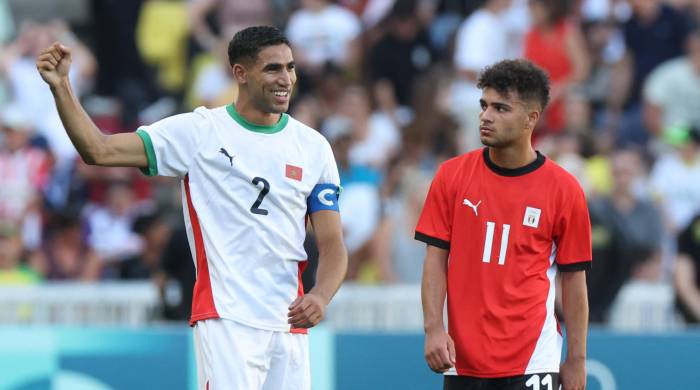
(284, 118)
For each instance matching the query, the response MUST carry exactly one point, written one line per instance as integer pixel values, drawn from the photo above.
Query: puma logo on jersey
(472, 205)
(225, 153)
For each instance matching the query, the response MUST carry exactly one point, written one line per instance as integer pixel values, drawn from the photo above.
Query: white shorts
(232, 356)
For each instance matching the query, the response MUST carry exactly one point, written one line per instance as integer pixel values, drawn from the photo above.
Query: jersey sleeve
(172, 144)
(326, 192)
(435, 222)
(572, 233)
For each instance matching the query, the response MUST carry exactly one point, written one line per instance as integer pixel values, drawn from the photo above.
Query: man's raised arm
(94, 147)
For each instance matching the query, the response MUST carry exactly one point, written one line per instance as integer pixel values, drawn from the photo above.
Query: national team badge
(294, 172)
(532, 217)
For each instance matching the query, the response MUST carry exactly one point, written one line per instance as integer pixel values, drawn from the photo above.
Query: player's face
(271, 79)
(505, 120)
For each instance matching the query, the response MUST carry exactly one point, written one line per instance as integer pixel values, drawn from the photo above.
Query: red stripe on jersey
(202, 299)
(300, 293)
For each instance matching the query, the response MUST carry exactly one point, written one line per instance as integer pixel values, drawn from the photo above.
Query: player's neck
(512, 157)
(247, 110)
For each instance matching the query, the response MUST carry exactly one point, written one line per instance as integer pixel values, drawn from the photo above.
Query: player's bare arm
(308, 310)
(439, 347)
(94, 147)
(575, 305)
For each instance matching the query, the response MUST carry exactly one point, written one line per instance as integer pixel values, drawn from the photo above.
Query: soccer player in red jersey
(500, 223)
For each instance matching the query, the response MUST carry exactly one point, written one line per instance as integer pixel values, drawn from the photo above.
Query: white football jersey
(246, 192)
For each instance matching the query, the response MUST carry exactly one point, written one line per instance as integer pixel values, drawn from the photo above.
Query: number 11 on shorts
(488, 244)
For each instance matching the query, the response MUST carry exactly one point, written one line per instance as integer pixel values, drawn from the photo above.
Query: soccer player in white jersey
(251, 175)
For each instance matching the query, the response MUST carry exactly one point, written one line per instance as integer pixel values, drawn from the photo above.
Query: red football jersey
(505, 229)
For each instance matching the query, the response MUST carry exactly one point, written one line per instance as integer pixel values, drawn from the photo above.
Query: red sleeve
(435, 223)
(572, 233)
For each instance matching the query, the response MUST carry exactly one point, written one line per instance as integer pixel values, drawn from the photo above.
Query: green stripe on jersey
(284, 118)
(152, 169)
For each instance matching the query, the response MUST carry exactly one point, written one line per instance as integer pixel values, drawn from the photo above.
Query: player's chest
(521, 208)
(259, 170)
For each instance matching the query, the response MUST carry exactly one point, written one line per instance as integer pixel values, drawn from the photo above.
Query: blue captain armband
(323, 197)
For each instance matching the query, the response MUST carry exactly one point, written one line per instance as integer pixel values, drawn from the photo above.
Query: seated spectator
(672, 91)
(654, 33)
(24, 174)
(406, 254)
(556, 44)
(322, 32)
(621, 223)
(375, 137)
(686, 275)
(675, 177)
(17, 63)
(403, 53)
(360, 205)
(645, 301)
(472, 54)
(178, 275)
(154, 234)
(13, 270)
(109, 228)
(67, 255)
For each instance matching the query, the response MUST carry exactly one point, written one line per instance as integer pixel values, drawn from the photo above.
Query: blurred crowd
(392, 85)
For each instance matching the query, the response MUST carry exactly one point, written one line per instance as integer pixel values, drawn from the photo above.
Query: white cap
(336, 127)
(12, 116)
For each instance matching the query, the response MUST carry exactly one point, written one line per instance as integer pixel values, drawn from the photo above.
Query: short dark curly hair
(248, 42)
(529, 81)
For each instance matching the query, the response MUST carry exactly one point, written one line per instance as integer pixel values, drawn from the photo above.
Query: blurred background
(95, 272)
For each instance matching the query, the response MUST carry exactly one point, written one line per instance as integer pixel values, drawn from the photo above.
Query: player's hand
(439, 350)
(306, 311)
(53, 64)
(572, 374)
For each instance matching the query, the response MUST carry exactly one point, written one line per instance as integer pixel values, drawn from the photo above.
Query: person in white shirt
(250, 176)
(482, 39)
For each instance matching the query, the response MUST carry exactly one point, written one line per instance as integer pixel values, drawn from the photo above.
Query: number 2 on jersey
(488, 244)
(255, 208)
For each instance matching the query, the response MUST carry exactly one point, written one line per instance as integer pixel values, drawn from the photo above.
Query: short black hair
(249, 41)
(529, 81)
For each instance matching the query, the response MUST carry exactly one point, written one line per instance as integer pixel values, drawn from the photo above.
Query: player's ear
(239, 73)
(533, 116)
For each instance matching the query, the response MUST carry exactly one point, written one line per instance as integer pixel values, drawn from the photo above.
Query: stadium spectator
(686, 275)
(360, 207)
(675, 177)
(179, 274)
(672, 91)
(471, 54)
(13, 269)
(405, 256)
(154, 235)
(403, 54)
(376, 137)
(654, 33)
(24, 173)
(228, 15)
(66, 255)
(622, 223)
(645, 301)
(35, 102)
(322, 32)
(556, 44)
(109, 228)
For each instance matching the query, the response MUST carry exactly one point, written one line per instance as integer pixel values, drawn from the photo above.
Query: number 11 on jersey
(488, 244)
